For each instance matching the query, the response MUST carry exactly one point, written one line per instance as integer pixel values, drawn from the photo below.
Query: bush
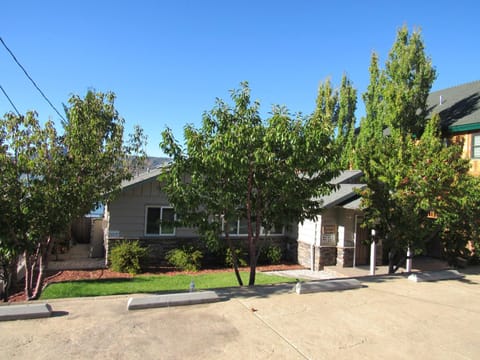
(274, 254)
(128, 256)
(270, 255)
(186, 258)
(241, 257)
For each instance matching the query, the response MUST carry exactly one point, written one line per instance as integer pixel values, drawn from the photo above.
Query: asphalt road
(388, 318)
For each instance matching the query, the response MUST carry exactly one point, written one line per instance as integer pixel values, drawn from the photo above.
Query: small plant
(128, 256)
(241, 256)
(186, 258)
(274, 254)
(270, 255)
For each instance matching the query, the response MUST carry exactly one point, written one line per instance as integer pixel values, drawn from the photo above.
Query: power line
(30, 78)
(10, 100)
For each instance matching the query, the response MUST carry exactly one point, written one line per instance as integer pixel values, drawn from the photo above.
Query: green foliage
(186, 258)
(241, 257)
(236, 166)
(128, 257)
(270, 255)
(48, 179)
(408, 169)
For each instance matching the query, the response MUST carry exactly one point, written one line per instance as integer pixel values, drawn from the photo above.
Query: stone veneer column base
(323, 256)
(345, 256)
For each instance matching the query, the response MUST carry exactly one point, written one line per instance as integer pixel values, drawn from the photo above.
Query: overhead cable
(30, 78)
(10, 100)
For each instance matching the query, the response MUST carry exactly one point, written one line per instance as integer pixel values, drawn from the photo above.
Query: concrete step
(23, 312)
(435, 275)
(178, 299)
(327, 285)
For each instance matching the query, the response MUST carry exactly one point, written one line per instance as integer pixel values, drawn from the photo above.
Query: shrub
(274, 254)
(128, 256)
(241, 257)
(186, 258)
(270, 255)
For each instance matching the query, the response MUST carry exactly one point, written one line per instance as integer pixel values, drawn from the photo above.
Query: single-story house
(335, 237)
(138, 211)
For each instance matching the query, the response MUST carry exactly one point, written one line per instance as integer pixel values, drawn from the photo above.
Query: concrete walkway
(335, 272)
(388, 318)
(77, 258)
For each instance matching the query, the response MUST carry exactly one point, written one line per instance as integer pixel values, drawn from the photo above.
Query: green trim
(462, 128)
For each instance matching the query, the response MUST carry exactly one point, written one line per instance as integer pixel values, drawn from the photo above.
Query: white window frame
(262, 231)
(475, 146)
(160, 224)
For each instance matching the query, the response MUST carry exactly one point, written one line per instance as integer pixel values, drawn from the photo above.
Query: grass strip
(152, 284)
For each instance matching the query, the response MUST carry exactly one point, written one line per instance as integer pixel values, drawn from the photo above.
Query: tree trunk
(42, 266)
(6, 282)
(251, 241)
(33, 290)
(391, 261)
(28, 275)
(234, 255)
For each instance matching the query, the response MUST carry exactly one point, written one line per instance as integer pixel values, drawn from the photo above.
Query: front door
(362, 251)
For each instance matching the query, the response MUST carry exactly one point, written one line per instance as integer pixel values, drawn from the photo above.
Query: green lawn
(151, 284)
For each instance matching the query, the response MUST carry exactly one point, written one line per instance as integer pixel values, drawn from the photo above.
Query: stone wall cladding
(304, 256)
(327, 256)
(323, 256)
(159, 247)
(345, 256)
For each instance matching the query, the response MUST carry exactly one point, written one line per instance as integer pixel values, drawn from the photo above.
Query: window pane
(168, 219)
(243, 229)
(153, 220)
(476, 152)
(277, 229)
(233, 227)
(476, 140)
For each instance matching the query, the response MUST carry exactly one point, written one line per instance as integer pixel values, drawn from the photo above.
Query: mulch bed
(73, 275)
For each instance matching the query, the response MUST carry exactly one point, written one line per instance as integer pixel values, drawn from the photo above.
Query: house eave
(464, 128)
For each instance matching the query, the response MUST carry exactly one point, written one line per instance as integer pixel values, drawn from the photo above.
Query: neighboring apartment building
(459, 110)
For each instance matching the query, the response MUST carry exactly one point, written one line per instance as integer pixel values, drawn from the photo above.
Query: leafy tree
(237, 166)
(345, 129)
(372, 125)
(51, 179)
(408, 169)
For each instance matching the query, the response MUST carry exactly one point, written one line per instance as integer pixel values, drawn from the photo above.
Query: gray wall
(127, 211)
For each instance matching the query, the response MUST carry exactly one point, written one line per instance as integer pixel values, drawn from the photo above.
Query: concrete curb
(327, 285)
(24, 312)
(167, 300)
(435, 275)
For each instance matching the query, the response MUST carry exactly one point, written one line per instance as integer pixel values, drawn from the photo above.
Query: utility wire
(30, 78)
(10, 100)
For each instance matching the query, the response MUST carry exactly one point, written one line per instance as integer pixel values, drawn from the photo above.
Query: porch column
(373, 257)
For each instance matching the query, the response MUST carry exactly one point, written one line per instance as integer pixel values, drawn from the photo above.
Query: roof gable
(458, 107)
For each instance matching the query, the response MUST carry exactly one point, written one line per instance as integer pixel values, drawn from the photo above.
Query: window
(240, 228)
(160, 221)
(476, 146)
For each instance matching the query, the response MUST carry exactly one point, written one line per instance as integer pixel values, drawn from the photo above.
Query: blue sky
(167, 61)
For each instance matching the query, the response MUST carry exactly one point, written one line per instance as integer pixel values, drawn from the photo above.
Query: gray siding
(127, 211)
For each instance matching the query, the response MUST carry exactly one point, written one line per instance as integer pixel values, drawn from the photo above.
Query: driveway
(388, 318)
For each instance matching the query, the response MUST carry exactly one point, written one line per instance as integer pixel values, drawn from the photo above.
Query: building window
(240, 228)
(160, 221)
(476, 146)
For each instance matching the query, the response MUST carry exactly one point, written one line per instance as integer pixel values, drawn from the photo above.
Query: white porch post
(373, 254)
(409, 260)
